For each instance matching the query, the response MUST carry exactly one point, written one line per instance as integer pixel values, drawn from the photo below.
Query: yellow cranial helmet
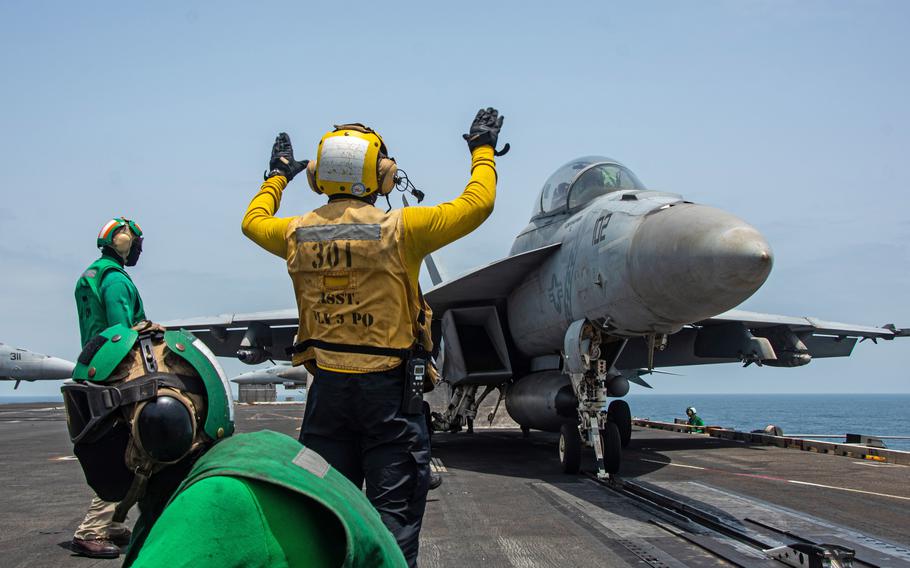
(352, 160)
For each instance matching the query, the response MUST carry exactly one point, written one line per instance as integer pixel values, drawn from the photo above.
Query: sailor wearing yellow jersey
(364, 328)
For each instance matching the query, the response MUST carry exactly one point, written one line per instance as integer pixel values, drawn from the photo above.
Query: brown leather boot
(121, 539)
(95, 548)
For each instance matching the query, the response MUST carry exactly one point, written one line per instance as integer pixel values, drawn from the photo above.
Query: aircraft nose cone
(690, 262)
(56, 368)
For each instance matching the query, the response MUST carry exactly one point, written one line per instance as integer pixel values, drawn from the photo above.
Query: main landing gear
(590, 360)
(462, 408)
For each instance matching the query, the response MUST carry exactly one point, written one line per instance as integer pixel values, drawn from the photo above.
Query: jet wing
(720, 340)
(755, 320)
(274, 330)
(224, 334)
(491, 282)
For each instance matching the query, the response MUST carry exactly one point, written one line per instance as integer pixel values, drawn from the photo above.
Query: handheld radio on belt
(412, 402)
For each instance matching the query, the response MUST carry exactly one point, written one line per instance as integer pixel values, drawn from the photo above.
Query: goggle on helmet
(107, 232)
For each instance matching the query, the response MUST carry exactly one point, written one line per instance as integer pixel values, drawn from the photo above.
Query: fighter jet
(609, 281)
(23, 365)
(281, 374)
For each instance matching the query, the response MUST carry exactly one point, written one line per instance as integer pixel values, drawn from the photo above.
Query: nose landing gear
(611, 448)
(569, 449)
(619, 414)
(590, 364)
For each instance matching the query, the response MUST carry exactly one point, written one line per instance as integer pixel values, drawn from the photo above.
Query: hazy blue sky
(793, 115)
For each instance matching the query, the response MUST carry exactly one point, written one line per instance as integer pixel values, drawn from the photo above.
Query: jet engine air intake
(475, 347)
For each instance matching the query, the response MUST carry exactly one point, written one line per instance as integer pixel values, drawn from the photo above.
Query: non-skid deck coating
(503, 502)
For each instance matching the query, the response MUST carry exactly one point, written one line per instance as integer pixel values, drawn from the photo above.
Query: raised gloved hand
(282, 162)
(485, 130)
(148, 326)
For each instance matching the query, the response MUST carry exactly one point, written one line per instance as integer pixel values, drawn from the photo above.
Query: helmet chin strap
(135, 492)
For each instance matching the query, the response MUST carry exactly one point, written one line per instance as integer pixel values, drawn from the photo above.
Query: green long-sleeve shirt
(106, 296)
(261, 500)
(241, 523)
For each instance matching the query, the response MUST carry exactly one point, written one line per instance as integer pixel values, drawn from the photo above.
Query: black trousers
(354, 421)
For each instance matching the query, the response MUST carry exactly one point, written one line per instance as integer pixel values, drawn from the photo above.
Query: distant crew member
(207, 498)
(364, 327)
(694, 420)
(106, 296)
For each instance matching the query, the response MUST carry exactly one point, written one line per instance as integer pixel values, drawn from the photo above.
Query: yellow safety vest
(358, 310)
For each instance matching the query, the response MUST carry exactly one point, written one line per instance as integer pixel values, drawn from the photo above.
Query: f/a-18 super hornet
(609, 281)
(19, 365)
(280, 374)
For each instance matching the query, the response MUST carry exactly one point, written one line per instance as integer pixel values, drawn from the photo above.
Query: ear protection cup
(164, 428)
(311, 176)
(386, 170)
(122, 241)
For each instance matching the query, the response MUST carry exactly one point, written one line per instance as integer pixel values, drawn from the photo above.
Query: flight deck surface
(504, 503)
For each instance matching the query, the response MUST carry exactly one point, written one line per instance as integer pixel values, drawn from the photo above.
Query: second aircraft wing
(751, 337)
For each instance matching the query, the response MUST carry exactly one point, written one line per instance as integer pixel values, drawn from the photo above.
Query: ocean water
(26, 398)
(870, 414)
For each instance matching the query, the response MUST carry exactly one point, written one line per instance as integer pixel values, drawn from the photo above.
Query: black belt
(346, 348)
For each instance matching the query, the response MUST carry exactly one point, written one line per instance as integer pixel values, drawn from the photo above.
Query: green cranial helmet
(107, 232)
(143, 399)
(139, 364)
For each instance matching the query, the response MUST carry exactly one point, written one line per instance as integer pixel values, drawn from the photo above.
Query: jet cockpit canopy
(578, 182)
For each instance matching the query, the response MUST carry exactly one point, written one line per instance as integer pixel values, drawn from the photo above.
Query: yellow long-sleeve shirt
(426, 229)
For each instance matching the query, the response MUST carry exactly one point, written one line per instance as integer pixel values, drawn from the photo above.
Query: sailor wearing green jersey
(151, 418)
(694, 420)
(105, 293)
(106, 296)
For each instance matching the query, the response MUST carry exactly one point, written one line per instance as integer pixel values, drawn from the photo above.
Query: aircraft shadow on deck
(506, 452)
(534, 460)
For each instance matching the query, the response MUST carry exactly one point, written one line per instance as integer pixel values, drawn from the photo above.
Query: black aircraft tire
(619, 413)
(612, 447)
(569, 449)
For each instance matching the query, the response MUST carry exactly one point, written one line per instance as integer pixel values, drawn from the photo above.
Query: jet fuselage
(281, 374)
(636, 262)
(18, 364)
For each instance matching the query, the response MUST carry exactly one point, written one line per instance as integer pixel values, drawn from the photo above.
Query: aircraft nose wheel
(569, 448)
(619, 413)
(611, 442)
